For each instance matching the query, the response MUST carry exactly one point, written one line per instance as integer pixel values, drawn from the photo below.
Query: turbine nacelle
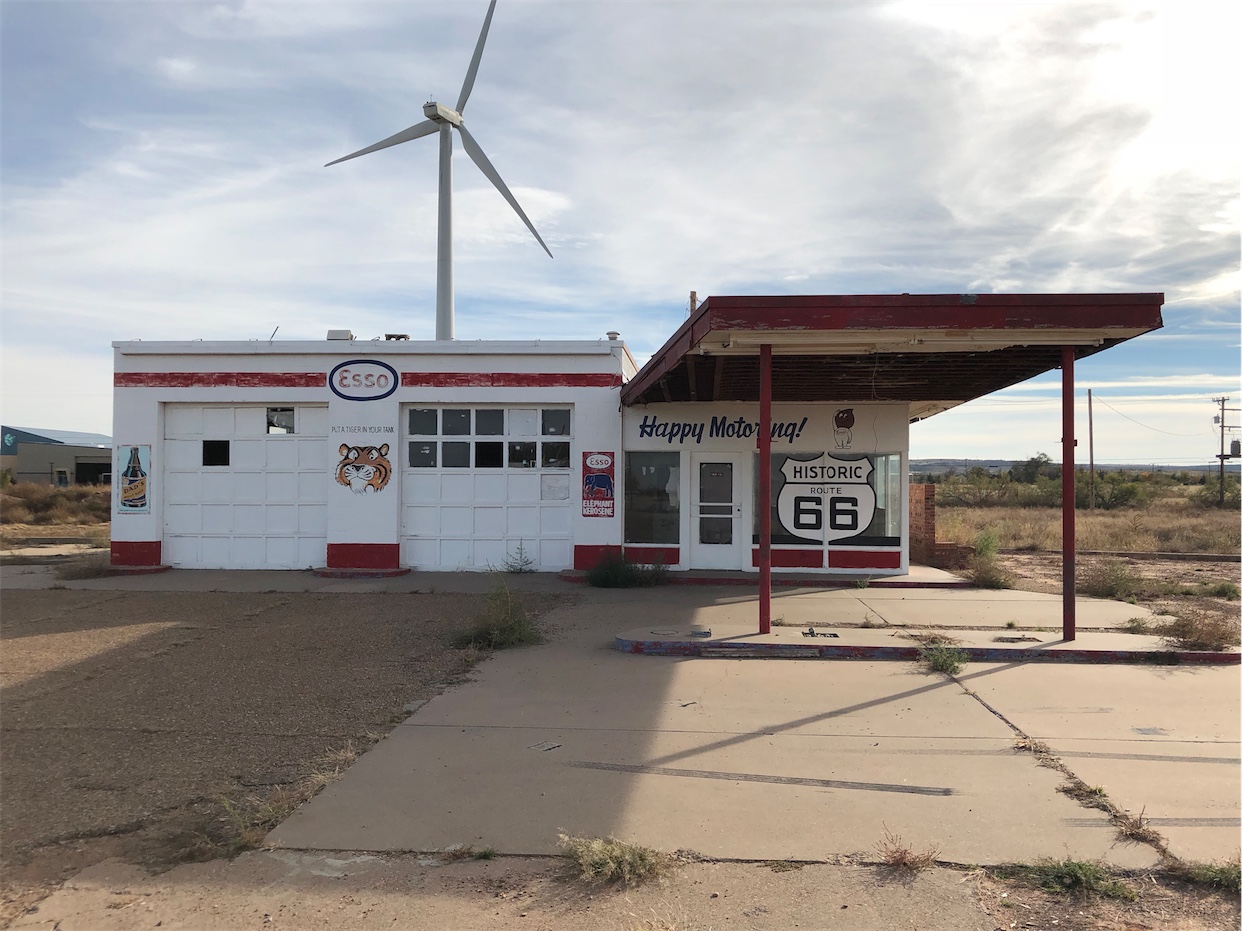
(439, 113)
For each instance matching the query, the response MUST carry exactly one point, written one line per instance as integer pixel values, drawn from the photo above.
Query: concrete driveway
(789, 759)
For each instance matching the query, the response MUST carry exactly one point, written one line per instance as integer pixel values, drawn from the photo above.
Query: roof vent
(340, 334)
(392, 336)
(614, 335)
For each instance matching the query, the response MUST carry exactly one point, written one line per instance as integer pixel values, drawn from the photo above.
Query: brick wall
(922, 523)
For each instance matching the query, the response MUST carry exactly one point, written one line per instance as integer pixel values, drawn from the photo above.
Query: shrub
(1108, 578)
(614, 572)
(1083, 876)
(503, 623)
(943, 658)
(1199, 630)
(608, 860)
(1226, 876)
(896, 855)
(986, 572)
(986, 543)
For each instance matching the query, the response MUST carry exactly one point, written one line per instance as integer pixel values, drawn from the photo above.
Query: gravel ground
(127, 717)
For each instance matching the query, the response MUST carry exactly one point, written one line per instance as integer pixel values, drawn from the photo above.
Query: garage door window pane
(280, 420)
(215, 452)
(555, 422)
(423, 422)
(521, 455)
(456, 455)
(556, 455)
(489, 455)
(489, 423)
(456, 423)
(422, 455)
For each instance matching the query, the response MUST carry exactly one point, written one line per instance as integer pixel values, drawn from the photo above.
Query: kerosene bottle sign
(133, 495)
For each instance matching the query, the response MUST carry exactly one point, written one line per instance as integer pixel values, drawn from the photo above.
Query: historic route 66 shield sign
(826, 499)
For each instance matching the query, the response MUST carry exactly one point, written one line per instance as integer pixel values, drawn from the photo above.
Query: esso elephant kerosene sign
(598, 484)
(826, 499)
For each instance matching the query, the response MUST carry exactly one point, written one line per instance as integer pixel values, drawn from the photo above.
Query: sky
(162, 169)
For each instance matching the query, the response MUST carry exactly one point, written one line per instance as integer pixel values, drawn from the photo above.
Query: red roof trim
(220, 380)
(510, 380)
(827, 312)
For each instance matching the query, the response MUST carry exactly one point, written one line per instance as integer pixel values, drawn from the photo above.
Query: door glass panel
(716, 482)
(717, 530)
(726, 509)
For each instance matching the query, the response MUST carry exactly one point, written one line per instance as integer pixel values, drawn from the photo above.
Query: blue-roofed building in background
(55, 457)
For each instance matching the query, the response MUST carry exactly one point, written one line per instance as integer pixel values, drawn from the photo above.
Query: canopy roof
(934, 351)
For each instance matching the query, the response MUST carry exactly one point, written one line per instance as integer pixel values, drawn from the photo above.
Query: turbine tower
(444, 120)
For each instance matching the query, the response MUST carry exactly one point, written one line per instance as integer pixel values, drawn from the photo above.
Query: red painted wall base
(587, 557)
(135, 553)
(791, 559)
(864, 559)
(653, 555)
(364, 555)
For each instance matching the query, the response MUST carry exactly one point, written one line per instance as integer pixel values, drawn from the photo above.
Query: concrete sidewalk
(797, 759)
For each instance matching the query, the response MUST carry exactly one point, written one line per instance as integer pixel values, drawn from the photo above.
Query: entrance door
(717, 539)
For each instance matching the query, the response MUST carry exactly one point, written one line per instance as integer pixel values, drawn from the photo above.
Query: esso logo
(598, 461)
(363, 380)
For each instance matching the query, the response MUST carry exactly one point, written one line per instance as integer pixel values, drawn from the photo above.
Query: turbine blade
(425, 128)
(468, 86)
(477, 156)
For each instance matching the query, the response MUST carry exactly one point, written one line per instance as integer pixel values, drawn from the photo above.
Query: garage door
(483, 486)
(245, 487)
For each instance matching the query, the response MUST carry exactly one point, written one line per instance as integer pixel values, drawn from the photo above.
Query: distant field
(1170, 525)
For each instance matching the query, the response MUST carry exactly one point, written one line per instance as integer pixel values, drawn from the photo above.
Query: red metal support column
(765, 489)
(1068, 549)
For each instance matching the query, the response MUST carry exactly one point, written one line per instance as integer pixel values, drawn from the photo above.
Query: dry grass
(85, 567)
(894, 854)
(44, 505)
(1138, 830)
(1199, 630)
(1167, 526)
(247, 820)
(599, 860)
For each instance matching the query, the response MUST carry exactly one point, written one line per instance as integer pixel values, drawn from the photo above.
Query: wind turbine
(444, 120)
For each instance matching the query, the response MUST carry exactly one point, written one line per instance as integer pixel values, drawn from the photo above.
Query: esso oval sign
(363, 380)
(598, 461)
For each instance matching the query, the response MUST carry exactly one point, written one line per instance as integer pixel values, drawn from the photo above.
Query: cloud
(163, 166)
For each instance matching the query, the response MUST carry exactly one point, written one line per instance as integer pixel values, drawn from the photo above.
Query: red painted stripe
(653, 555)
(864, 559)
(587, 557)
(408, 379)
(364, 556)
(136, 553)
(509, 380)
(220, 380)
(792, 559)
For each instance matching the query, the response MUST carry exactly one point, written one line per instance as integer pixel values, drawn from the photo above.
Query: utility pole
(1232, 454)
(1091, 446)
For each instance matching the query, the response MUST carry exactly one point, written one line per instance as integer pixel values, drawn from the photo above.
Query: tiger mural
(363, 469)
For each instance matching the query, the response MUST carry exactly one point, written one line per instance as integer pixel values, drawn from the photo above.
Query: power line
(1143, 425)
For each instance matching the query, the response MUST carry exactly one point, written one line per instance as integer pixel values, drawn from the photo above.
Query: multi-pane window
(489, 438)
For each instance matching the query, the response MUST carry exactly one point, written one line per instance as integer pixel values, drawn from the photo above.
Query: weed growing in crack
(600, 860)
(943, 659)
(1084, 877)
(894, 854)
